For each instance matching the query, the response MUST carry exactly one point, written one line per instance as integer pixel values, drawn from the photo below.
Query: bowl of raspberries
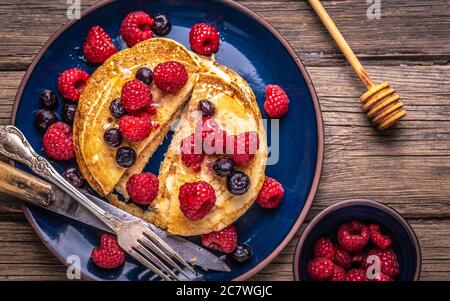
(358, 240)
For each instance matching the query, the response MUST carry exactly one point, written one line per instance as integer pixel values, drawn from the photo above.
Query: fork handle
(14, 145)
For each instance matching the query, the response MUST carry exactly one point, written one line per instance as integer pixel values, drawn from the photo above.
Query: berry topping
(242, 254)
(136, 27)
(162, 25)
(135, 96)
(72, 82)
(206, 107)
(135, 127)
(44, 119)
(223, 167)
(74, 177)
(143, 188)
(109, 255)
(68, 113)
(388, 261)
(238, 183)
(320, 269)
(356, 275)
(196, 200)
(324, 248)
(191, 153)
(113, 137)
(170, 76)
(125, 157)
(271, 194)
(204, 39)
(277, 102)
(57, 142)
(48, 100)
(144, 74)
(244, 147)
(98, 46)
(353, 236)
(224, 241)
(339, 274)
(342, 258)
(116, 108)
(381, 240)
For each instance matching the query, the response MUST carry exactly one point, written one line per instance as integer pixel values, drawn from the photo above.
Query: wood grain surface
(407, 167)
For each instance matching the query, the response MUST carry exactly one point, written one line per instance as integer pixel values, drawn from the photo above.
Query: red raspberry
(339, 274)
(109, 255)
(388, 261)
(213, 138)
(98, 46)
(196, 199)
(224, 241)
(277, 102)
(136, 95)
(342, 258)
(353, 236)
(170, 76)
(244, 146)
(271, 194)
(356, 275)
(324, 248)
(382, 278)
(320, 269)
(204, 39)
(381, 240)
(135, 127)
(191, 153)
(143, 188)
(136, 27)
(57, 142)
(72, 82)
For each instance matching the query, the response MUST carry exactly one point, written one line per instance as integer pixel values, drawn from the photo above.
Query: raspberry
(382, 278)
(213, 139)
(324, 248)
(320, 269)
(98, 46)
(109, 255)
(135, 127)
(356, 275)
(196, 199)
(358, 257)
(72, 82)
(170, 76)
(277, 102)
(136, 95)
(342, 258)
(204, 39)
(143, 188)
(339, 274)
(381, 240)
(244, 147)
(271, 194)
(136, 27)
(57, 142)
(353, 236)
(224, 241)
(388, 261)
(191, 153)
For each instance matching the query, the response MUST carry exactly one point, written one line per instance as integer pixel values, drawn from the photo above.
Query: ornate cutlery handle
(14, 145)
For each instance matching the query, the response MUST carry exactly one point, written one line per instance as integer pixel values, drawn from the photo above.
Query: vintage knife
(43, 194)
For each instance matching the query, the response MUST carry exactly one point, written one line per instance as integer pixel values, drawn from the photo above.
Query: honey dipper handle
(340, 41)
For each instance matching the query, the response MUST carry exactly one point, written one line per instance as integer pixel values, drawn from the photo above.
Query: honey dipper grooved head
(382, 106)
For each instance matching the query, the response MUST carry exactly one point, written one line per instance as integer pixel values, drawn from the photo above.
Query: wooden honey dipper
(381, 103)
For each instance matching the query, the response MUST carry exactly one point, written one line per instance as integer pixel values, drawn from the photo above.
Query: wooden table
(407, 167)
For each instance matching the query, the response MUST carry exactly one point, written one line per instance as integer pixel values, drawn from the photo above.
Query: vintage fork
(135, 237)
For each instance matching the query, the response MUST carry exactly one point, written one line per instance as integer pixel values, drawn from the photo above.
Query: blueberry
(48, 100)
(242, 253)
(145, 75)
(206, 107)
(74, 177)
(116, 108)
(125, 157)
(44, 119)
(162, 25)
(68, 113)
(223, 167)
(113, 137)
(238, 183)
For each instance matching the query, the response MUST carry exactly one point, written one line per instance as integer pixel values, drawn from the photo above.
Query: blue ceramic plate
(257, 52)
